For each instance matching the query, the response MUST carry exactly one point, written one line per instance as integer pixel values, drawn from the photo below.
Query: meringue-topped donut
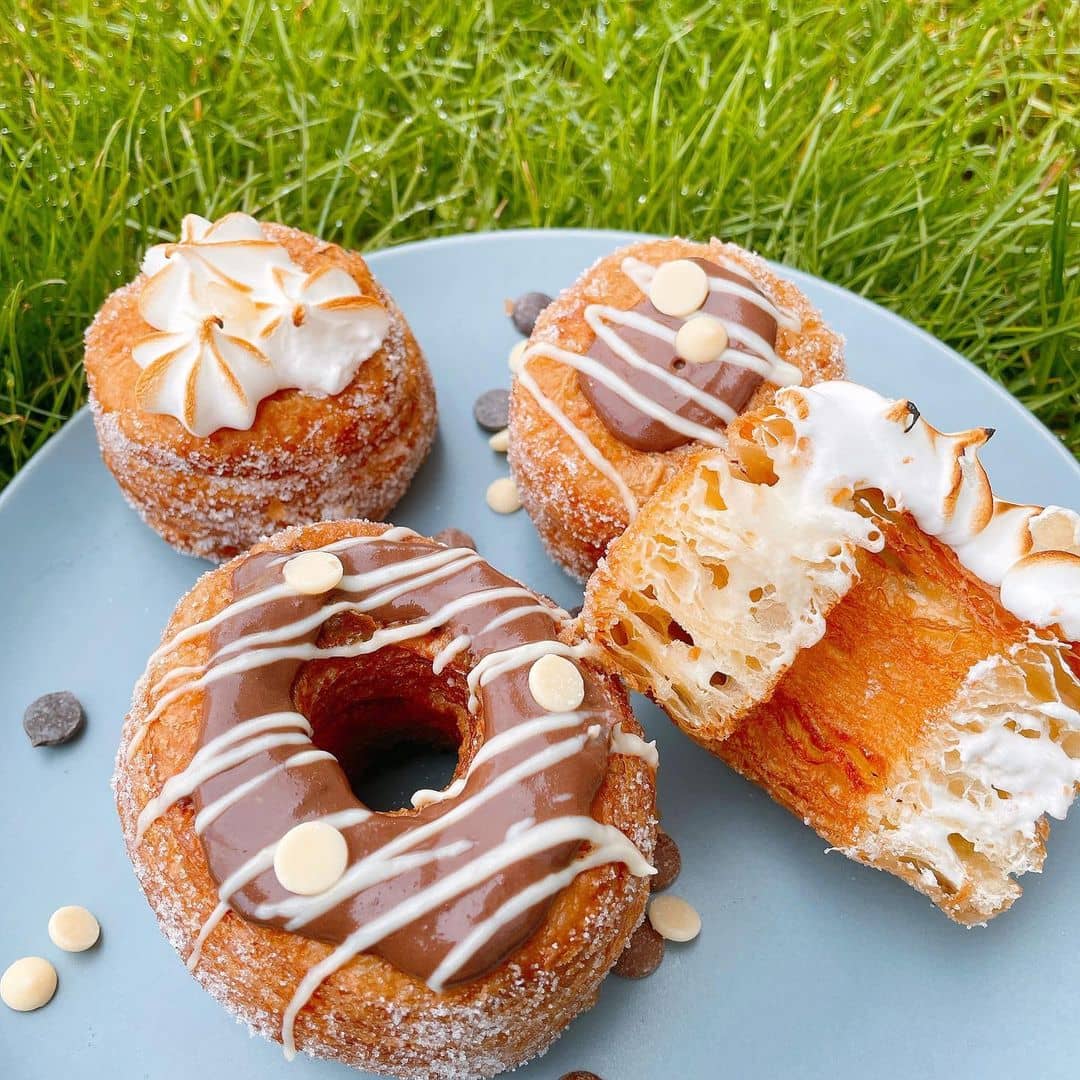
(274, 687)
(252, 377)
(646, 358)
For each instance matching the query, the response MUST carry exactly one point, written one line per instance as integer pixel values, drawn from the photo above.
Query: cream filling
(1007, 753)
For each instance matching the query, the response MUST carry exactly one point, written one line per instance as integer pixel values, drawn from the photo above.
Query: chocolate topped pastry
(469, 927)
(647, 357)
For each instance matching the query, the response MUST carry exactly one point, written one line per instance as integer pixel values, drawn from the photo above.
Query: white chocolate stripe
(642, 402)
(448, 652)
(616, 849)
(499, 663)
(255, 726)
(788, 320)
(395, 532)
(237, 607)
(184, 783)
(465, 557)
(407, 568)
(541, 837)
(626, 742)
(519, 733)
(463, 641)
(579, 439)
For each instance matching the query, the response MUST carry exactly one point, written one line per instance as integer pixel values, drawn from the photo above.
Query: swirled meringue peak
(844, 438)
(235, 320)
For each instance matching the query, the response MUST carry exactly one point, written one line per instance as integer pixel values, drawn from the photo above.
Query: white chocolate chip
(674, 919)
(314, 572)
(28, 984)
(310, 858)
(500, 441)
(73, 929)
(701, 339)
(503, 496)
(678, 287)
(516, 353)
(556, 684)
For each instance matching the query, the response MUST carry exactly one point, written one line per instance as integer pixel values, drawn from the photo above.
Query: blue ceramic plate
(807, 966)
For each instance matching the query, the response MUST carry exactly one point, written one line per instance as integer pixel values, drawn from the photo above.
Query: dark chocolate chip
(53, 719)
(642, 955)
(667, 860)
(527, 310)
(455, 538)
(492, 409)
(576, 610)
(579, 1076)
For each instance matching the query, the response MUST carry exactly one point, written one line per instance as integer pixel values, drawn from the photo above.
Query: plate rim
(778, 841)
(616, 235)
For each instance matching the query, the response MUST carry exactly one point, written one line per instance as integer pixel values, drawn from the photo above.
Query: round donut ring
(580, 482)
(467, 931)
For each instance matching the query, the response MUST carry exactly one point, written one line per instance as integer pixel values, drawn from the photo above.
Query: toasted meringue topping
(847, 438)
(236, 320)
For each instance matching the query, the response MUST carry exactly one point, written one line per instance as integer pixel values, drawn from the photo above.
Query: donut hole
(394, 727)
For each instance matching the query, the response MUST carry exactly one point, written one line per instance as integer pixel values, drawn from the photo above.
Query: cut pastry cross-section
(844, 612)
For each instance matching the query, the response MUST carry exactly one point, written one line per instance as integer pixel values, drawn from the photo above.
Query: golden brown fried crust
(370, 1015)
(576, 510)
(305, 458)
(859, 703)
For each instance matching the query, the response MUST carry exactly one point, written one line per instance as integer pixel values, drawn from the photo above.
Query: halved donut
(846, 615)
(458, 935)
(644, 359)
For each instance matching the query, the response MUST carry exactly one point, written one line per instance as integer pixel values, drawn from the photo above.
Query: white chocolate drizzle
(626, 742)
(756, 355)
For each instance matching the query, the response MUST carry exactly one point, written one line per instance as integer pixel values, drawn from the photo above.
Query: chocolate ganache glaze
(731, 383)
(414, 629)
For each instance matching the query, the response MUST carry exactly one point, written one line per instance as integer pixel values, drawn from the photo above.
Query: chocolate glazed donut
(297, 692)
(614, 393)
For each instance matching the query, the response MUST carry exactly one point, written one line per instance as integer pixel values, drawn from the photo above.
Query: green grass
(923, 155)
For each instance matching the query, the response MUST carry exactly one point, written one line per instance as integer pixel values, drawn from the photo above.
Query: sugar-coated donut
(254, 377)
(456, 938)
(644, 359)
(845, 613)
